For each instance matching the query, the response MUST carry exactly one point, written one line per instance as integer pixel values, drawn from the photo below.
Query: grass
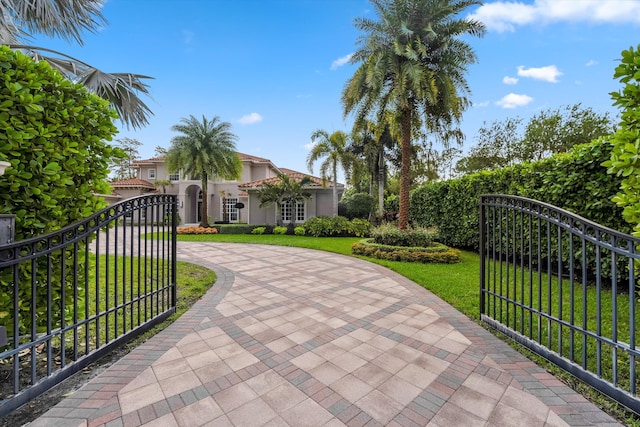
(192, 282)
(457, 284)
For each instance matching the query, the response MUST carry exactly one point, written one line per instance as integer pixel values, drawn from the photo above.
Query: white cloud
(309, 146)
(482, 104)
(549, 73)
(514, 100)
(250, 119)
(509, 80)
(341, 61)
(591, 63)
(505, 16)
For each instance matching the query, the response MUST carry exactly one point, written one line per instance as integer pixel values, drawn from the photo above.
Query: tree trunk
(335, 188)
(405, 171)
(381, 177)
(204, 222)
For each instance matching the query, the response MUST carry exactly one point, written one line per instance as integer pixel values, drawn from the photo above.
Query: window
(288, 212)
(232, 212)
(151, 174)
(300, 217)
(174, 176)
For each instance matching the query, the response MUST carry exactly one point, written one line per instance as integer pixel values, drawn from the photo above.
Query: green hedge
(54, 133)
(436, 253)
(575, 181)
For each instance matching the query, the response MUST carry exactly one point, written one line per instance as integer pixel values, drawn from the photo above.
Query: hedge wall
(575, 181)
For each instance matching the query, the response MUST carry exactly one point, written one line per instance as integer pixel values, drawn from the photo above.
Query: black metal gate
(78, 292)
(565, 287)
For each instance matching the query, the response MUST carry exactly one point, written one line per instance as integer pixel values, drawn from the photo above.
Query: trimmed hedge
(336, 226)
(436, 253)
(575, 181)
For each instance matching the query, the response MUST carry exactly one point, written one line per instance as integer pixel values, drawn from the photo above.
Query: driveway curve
(299, 337)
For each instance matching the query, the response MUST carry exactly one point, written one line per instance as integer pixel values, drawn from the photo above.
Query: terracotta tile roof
(134, 182)
(297, 176)
(253, 158)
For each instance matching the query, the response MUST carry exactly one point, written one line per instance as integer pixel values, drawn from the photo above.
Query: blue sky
(275, 69)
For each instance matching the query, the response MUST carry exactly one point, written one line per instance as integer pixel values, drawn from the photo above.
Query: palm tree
(206, 149)
(334, 147)
(412, 62)
(369, 143)
(67, 19)
(286, 190)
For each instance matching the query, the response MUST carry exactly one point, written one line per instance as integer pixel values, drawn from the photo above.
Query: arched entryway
(193, 204)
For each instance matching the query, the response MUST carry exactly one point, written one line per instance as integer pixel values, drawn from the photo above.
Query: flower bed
(197, 230)
(435, 253)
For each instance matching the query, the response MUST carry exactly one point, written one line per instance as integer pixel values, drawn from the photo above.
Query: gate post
(482, 253)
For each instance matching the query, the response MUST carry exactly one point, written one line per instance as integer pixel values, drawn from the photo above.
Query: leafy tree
(68, 19)
(334, 148)
(206, 149)
(556, 131)
(413, 60)
(625, 157)
(285, 190)
(122, 167)
(496, 147)
(160, 152)
(505, 143)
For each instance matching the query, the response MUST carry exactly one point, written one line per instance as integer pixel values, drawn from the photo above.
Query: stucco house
(232, 194)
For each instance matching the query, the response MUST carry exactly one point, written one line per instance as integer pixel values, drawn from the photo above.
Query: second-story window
(152, 174)
(174, 176)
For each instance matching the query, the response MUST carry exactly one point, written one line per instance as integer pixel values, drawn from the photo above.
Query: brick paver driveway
(296, 337)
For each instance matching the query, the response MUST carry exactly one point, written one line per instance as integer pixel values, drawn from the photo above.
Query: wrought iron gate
(76, 293)
(565, 287)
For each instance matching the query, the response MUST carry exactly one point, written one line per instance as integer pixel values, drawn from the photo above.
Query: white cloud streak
(341, 61)
(591, 63)
(514, 100)
(550, 73)
(250, 119)
(505, 16)
(509, 80)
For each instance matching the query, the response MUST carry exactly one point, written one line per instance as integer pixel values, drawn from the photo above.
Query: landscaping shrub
(326, 226)
(436, 253)
(360, 227)
(299, 231)
(280, 230)
(359, 205)
(192, 229)
(388, 234)
(54, 134)
(258, 230)
(235, 228)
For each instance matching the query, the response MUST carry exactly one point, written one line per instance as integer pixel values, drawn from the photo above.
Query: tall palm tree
(413, 62)
(334, 147)
(206, 149)
(67, 19)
